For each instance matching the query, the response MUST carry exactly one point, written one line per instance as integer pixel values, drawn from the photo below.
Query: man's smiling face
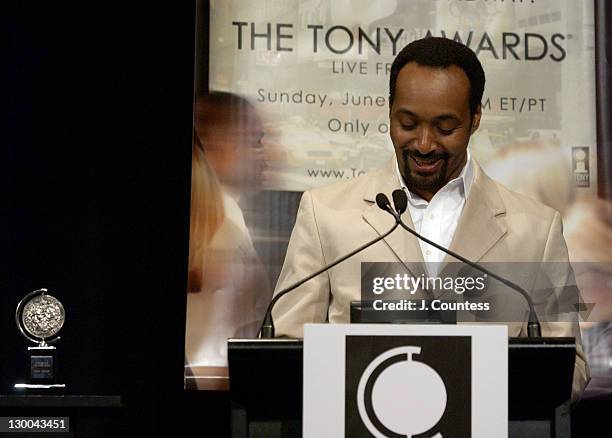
(431, 125)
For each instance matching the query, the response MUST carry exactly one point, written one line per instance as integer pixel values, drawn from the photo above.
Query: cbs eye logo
(404, 389)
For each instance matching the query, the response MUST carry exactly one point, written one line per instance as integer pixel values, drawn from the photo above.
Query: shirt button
(431, 216)
(428, 252)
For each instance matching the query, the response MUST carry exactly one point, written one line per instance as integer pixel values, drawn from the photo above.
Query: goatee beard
(429, 183)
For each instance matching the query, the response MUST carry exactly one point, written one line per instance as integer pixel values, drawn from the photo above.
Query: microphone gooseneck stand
(400, 200)
(267, 327)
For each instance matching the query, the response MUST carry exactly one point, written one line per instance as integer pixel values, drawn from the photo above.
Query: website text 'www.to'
(334, 173)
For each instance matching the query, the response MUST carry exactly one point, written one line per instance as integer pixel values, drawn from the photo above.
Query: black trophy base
(43, 369)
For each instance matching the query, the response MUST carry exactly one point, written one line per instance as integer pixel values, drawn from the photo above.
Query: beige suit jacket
(496, 225)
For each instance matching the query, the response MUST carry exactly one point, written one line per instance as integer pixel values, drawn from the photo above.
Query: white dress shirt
(437, 219)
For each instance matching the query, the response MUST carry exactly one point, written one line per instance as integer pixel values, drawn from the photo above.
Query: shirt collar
(466, 177)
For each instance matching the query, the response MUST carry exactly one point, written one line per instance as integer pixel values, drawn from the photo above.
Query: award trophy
(40, 317)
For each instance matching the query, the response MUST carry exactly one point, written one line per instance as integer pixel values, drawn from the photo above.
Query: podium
(266, 379)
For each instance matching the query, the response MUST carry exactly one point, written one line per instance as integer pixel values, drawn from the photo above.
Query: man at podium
(435, 91)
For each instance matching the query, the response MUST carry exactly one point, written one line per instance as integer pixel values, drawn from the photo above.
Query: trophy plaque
(40, 317)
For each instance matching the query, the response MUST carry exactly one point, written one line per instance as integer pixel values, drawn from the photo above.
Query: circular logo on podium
(399, 396)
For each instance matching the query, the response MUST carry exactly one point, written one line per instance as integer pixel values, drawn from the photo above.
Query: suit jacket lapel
(405, 246)
(480, 227)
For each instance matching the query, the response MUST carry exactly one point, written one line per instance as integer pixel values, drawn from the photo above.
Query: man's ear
(476, 119)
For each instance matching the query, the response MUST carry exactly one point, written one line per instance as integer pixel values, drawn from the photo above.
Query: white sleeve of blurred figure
(226, 305)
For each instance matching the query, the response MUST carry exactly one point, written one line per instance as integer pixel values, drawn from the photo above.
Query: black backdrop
(95, 168)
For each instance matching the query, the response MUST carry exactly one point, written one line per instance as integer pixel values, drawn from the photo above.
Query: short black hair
(441, 53)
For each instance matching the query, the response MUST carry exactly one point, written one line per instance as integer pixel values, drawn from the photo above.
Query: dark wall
(95, 172)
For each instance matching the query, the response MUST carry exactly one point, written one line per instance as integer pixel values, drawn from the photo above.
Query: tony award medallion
(40, 317)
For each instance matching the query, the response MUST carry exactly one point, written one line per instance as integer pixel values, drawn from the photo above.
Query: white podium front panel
(391, 381)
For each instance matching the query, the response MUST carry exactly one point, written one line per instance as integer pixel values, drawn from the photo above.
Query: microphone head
(400, 201)
(383, 202)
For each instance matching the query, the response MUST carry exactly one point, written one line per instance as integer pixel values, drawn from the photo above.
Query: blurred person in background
(231, 131)
(227, 283)
(546, 176)
(537, 169)
(589, 240)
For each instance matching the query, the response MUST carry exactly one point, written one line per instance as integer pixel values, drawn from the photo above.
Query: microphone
(400, 200)
(267, 327)
(383, 203)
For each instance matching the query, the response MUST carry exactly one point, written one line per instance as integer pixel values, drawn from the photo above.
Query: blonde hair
(206, 214)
